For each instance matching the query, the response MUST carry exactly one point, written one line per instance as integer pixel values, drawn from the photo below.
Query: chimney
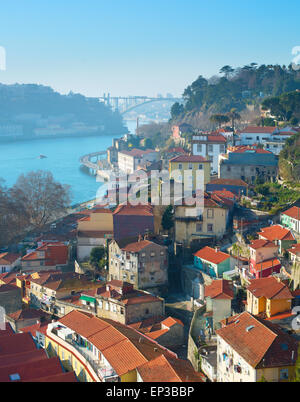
(38, 322)
(217, 249)
(140, 238)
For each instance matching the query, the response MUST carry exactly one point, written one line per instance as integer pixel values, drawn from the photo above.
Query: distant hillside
(32, 109)
(240, 88)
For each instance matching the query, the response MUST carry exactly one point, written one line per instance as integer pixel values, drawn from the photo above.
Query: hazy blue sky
(141, 47)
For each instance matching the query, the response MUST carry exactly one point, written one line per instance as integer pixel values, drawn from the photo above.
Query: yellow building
(93, 348)
(251, 349)
(193, 223)
(268, 296)
(188, 166)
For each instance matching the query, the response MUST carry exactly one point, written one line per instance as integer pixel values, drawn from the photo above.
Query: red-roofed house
(279, 235)
(263, 258)
(250, 348)
(210, 146)
(212, 261)
(165, 369)
(291, 219)
(268, 296)
(8, 261)
(218, 296)
(133, 220)
(294, 253)
(50, 255)
(142, 263)
(128, 161)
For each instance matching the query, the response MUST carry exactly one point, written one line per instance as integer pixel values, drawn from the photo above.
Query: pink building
(263, 258)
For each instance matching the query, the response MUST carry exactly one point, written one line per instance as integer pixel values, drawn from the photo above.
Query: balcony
(104, 372)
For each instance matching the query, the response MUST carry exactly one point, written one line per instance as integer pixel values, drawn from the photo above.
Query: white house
(128, 161)
(210, 146)
(8, 262)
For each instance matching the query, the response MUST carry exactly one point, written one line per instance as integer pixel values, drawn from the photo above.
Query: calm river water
(62, 160)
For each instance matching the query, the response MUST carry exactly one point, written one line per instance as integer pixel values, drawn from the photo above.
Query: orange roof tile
(276, 232)
(293, 212)
(166, 369)
(269, 288)
(211, 255)
(261, 243)
(220, 289)
(258, 342)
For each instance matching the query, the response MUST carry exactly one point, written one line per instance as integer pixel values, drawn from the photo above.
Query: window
(228, 168)
(210, 227)
(210, 213)
(222, 148)
(180, 166)
(199, 147)
(210, 148)
(190, 166)
(200, 167)
(107, 306)
(284, 374)
(198, 227)
(152, 254)
(100, 304)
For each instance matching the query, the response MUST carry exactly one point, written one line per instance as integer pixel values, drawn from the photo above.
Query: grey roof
(251, 159)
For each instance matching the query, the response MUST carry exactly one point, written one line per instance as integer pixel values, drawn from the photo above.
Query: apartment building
(143, 264)
(209, 146)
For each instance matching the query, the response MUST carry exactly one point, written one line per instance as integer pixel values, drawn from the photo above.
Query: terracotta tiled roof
(211, 255)
(293, 212)
(7, 331)
(30, 370)
(157, 334)
(276, 232)
(224, 194)
(258, 342)
(189, 158)
(170, 321)
(261, 243)
(128, 209)
(32, 355)
(258, 130)
(26, 314)
(16, 343)
(123, 347)
(220, 289)
(137, 246)
(295, 249)
(166, 369)
(94, 234)
(241, 150)
(229, 182)
(269, 288)
(274, 262)
(8, 258)
(60, 377)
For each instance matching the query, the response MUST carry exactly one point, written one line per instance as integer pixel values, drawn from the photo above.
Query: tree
(12, 216)
(167, 221)
(40, 197)
(97, 257)
(219, 119)
(233, 115)
(176, 110)
(227, 71)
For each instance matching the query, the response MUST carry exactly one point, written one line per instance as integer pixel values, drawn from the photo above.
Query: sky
(140, 47)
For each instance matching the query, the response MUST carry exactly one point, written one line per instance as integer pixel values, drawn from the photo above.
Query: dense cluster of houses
(238, 326)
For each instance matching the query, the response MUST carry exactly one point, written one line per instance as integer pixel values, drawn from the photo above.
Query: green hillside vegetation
(285, 108)
(289, 160)
(236, 89)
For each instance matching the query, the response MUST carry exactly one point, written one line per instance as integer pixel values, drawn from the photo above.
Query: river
(62, 161)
